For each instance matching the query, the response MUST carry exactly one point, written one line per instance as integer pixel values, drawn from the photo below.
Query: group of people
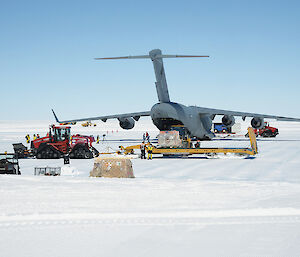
(98, 138)
(146, 147)
(149, 149)
(35, 136)
(146, 137)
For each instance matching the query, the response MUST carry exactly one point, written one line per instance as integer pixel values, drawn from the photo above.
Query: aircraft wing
(203, 110)
(134, 115)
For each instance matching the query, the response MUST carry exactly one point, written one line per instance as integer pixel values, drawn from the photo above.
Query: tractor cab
(60, 133)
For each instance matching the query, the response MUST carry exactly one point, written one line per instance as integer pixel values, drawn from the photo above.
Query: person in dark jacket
(143, 150)
(27, 137)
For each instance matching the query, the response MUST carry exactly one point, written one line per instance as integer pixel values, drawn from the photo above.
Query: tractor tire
(88, 154)
(95, 152)
(81, 152)
(275, 133)
(47, 152)
(267, 133)
(40, 151)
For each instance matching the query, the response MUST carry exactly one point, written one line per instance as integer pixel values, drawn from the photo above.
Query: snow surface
(174, 207)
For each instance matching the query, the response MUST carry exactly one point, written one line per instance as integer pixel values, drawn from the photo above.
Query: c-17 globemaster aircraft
(165, 113)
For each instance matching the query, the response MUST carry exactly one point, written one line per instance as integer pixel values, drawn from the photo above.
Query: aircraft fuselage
(165, 115)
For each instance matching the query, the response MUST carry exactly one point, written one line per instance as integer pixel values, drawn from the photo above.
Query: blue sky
(47, 50)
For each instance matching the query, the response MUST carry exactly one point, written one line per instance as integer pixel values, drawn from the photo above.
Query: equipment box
(47, 171)
(169, 139)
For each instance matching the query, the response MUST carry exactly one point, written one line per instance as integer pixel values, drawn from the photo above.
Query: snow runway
(178, 207)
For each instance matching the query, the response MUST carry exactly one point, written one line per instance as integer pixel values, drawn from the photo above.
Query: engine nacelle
(228, 120)
(257, 123)
(126, 123)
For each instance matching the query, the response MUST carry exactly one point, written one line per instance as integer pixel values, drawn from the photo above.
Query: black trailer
(21, 151)
(9, 164)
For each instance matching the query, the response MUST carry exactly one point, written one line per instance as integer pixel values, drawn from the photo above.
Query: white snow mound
(67, 170)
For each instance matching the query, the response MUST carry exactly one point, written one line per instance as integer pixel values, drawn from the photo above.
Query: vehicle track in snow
(36, 220)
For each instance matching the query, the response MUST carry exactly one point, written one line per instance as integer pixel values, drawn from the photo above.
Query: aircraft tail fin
(157, 58)
(161, 81)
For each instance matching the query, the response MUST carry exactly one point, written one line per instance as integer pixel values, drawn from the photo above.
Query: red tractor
(266, 131)
(58, 142)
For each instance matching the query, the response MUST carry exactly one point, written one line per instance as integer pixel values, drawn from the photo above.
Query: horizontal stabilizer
(149, 57)
(124, 57)
(180, 56)
(156, 57)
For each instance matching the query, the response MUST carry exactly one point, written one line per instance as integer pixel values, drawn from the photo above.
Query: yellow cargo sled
(188, 151)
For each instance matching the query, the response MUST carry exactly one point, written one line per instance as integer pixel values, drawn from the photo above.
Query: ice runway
(174, 207)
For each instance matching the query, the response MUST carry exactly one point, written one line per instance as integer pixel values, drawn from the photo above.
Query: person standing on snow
(143, 150)
(27, 137)
(150, 149)
(147, 137)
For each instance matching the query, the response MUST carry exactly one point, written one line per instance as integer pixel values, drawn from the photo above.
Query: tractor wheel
(47, 152)
(41, 154)
(55, 155)
(88, 154)
(267, 133)
(81, 152)
(274, 133)
(40, 151)
(95, 152)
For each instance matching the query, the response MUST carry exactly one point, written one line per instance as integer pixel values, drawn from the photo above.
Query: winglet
(55, 116)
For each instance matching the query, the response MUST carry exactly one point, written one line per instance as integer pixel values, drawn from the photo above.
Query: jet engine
(228, 120)
(126, 123)
(257, 123)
